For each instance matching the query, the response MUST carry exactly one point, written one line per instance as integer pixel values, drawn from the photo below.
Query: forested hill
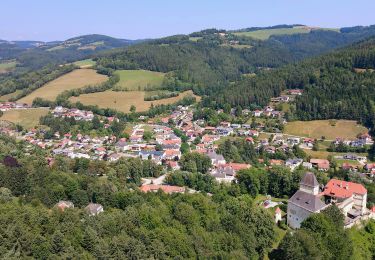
(211, 59)
(336, 85)
(36, 54)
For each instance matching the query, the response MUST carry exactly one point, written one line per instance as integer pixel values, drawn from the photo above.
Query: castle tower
(309, 184)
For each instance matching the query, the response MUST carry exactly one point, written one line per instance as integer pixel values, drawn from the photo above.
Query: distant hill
(36, 54)
(212, 59)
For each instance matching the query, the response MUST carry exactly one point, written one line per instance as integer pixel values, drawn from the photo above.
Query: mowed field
(266, 33)
(139, 79)
(76, 79)
(10, 95)
(318, 128)
(122, 101)
(88, 63)
(28, 118)
(7, 66)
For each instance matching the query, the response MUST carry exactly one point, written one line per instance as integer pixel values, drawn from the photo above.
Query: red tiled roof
(343, 189)
(238, 166)
(174, 141)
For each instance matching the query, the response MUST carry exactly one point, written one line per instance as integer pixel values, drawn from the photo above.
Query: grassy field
(88, 63)
(122, 101)
(139, 79)
(319, 128)
(28, 118)
(10, 95)
(7, 66)
(76, 79)
(265, 34)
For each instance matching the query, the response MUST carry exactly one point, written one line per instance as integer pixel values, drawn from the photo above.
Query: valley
(195, 131)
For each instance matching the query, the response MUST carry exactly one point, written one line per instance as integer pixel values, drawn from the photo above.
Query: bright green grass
(8, 65)
(139, 79)
(85, 63)
(194, 39)
(265, 34)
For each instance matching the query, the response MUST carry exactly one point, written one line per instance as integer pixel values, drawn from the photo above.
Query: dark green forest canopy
(213, 62)
(333, 88)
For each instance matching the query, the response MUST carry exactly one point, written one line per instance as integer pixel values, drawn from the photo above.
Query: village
(162, 141)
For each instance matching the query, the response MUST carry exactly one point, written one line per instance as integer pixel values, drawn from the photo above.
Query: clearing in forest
(266, 33)
(76, 79)
(123, 100)
(330, 129)
(139, 79)
(28, 118)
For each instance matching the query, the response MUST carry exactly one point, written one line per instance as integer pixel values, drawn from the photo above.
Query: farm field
(76, 79)
(139, 79)
(266, 33)
(7, 66)
(28, 118)
(122, 101)
(88, 63)
(10, 95)
(319, 128)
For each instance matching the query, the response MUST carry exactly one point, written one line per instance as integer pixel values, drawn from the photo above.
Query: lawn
(88, 63)
(266, 33)
(139, 79)
(318, 128)
(123, 100)
(7, 66)
(28, 118)
(76, 79)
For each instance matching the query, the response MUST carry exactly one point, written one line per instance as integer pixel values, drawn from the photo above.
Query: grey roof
(309, 180)
(93, 208)
(214, 156)
(307, 201)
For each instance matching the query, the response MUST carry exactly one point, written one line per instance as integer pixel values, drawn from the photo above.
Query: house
(136, 138)
(94, 209)
(172, 154)
(293, 140)
(305, 201)
(173, 165)
(353, 194)
(224, 173)
(63, 204)
(320, 164)
(307, 165)
(216, 159)
(308, 143)
(349, 167)
(114, 157)
(293, 163)
(275, 162)
(153, 155)
(295, 92)
(225, 124)
(257, 113)
(253, 133)
(165, 188)
(238, 166)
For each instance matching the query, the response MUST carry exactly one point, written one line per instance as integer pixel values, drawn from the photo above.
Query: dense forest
(134, 224)
(213, 61)
(337, 85)
(32, 55)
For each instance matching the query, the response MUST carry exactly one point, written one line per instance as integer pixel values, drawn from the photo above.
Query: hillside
(36, 54)
(333, 86)
(211, 59)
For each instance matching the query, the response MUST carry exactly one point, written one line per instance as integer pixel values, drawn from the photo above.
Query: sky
(49, 20)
